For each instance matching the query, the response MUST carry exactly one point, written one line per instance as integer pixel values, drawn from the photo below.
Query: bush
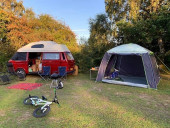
(167, 58)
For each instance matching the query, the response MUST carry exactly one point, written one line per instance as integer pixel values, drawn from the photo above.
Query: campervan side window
(63, 56)
(69, 56)
(19, 56)
(51, 56)
(37, 46)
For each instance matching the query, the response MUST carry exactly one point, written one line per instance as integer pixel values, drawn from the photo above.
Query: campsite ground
(85, 103)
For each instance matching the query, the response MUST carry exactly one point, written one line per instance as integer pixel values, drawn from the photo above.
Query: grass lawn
(84, 103)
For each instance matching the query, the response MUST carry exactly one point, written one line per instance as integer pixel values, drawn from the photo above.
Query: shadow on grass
(151, 104)
(85, 103)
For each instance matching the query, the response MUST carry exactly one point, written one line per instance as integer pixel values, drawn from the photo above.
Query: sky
(74, 13)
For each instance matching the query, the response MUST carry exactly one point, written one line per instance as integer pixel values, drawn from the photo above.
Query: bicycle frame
(43, 103)
(36, 102)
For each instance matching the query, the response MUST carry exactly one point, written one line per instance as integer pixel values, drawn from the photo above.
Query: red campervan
(31, 58)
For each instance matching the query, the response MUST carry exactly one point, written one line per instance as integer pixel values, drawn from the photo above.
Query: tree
(156, 28)
(17, 8)
(131, 9)
(45, 27)
(141, 21)
(4, 19)
(98, 43)
(5, 48)
(23, 27)
(18, 29)
(100, 37)
(20, 26)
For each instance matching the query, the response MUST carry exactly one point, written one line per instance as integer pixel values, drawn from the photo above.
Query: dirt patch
(25, 116)
(147, 98)
(109, 89)
(77, 83)
(97, 89)
(75, 97)
(144, 96)
(122, 93)
(167, 101)
(166, 77)
(86, 95)
(163, 100)
(157, 102)
(15, 111)
(56, 119)
(2, 113)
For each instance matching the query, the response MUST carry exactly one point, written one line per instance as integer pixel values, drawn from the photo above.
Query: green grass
(85, 103)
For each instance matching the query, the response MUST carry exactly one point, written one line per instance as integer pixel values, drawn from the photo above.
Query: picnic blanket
(25, 86)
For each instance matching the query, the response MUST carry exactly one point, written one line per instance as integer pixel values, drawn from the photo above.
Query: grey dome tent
(136, 66)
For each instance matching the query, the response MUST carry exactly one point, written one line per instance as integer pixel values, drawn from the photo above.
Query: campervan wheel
(21, 72)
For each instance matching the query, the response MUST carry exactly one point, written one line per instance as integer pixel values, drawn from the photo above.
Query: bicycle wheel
(40, 113)
(27, 100)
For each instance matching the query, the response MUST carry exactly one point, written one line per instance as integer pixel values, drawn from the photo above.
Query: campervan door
(70, 62)
(52, 60)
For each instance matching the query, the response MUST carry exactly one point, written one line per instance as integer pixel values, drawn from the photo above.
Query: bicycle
(44, 108)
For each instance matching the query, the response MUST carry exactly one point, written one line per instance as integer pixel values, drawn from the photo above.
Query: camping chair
(62, 71)
(11, 72)
(45, 72)
(10, 69)
(4, 78)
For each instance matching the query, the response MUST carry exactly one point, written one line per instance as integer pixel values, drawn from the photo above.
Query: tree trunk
(161, 48)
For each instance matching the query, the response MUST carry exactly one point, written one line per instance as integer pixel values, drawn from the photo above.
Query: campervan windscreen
(69, 56)
(19, 56)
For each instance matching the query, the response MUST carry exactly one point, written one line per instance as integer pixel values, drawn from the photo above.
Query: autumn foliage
(20, 26)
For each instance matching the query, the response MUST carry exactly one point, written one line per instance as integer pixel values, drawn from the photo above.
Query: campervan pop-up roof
(44, 46)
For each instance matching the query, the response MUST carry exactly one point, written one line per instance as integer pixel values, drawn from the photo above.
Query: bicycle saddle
(55, 76)
(44, 98)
